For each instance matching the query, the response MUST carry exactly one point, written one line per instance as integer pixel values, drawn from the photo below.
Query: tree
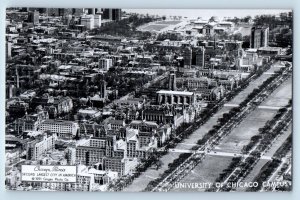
(237, 36)
(246, 41)
(246, 19)
(158, 164)
(212, 19)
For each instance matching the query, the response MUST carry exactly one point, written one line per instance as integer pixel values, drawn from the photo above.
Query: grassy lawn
(205, 172)
(281, 95)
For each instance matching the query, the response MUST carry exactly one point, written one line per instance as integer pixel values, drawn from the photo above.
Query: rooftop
(175, 92)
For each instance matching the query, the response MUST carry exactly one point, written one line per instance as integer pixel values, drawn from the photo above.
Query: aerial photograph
(148, 100)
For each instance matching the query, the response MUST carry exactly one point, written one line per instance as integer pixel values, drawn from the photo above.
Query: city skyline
(206, 13)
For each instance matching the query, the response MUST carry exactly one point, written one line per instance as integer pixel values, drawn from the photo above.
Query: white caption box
(49, 173)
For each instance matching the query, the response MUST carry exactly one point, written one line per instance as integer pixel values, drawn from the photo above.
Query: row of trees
(171, 167)
(272, 21)
(127, 27)
(247, 165)
(234, 162)
(269, 20)
(269, 168)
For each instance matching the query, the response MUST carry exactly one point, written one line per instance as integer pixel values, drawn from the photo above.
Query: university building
(175, 97)
(40, 145)
(63, 128)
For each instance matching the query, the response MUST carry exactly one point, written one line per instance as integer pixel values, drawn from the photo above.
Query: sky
(207, 13)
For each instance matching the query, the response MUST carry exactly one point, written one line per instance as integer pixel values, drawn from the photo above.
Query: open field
(280, 96)
(205, 172)
(158, 26)
(173, 22)
(241, 135)
(155, 27)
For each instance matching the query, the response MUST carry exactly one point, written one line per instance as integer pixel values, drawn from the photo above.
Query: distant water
(207, 13)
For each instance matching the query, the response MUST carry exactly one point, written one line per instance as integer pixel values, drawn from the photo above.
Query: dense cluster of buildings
(105, 103)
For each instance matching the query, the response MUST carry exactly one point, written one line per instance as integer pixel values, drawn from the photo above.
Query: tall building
(199, 56)
(91, 11)
(17, 78)
(33, 17)
(112, 14)
(187, 56)
(103, 93)
(172, 81)
(98, 10)
(78, 11)
(60, 11)
(105, 63)
(8, 49)
(97, 21)
(116, 14)
(67, 19)
(107, 14)
(70, 153)
(88, 21)
(41, 10)
(259, 37)
(10, 91)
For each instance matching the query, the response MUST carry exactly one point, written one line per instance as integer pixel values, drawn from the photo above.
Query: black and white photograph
(148, 100)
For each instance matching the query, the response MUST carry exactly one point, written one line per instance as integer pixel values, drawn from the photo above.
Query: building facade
(259, 37)
(40, 145)
(175, 97)
(61, 127)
